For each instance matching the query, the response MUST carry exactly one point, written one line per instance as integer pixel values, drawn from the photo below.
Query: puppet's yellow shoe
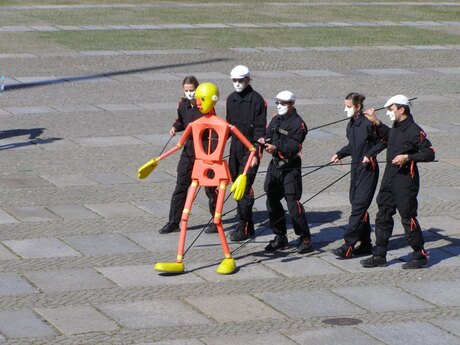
(227, 266)
(170, 267)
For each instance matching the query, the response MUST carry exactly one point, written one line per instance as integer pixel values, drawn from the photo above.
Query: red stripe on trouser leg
(299, 208)
(365, 217)
(413, 224)
(412, 169)
(348, 252)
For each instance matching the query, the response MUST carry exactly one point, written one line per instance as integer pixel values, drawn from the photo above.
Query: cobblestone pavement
(79, 231)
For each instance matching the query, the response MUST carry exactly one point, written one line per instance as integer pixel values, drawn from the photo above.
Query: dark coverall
(186, 114)
(363, 141)
(284, 179)
(247, 110)
(400, 185)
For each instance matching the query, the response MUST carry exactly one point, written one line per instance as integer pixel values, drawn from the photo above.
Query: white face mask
(350, 111)
(239, 86)
(391, 115)
(282, 109)
(189, 94)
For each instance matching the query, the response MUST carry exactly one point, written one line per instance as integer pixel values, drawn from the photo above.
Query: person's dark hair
(406, 108)
(190, 79)
(357, 99)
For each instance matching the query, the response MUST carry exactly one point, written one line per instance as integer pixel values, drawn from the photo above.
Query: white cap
(398, 99)
(239, 72)
(286, 96)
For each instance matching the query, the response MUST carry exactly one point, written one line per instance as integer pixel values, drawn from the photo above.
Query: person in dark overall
(186, 113)
(247, 110)
(283, 140)
(363, 147)
(407, 145)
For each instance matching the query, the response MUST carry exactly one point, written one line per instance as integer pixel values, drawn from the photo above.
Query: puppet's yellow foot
(227, 266)
(170, 267)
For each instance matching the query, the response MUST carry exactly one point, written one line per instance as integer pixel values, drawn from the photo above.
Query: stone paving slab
(157, 76)
(439, 293)
(305, 304)
(5, 254)
(40, 248)
(108, 141)
(112, 178)
(300, 266)
(101, 52)
(18, 182)
(12, 284)
(68, 280)
(176, 342)
(31, 214)
(70, 180)
(119, 107)
(156, 242)
(449, 127)
(157, 208)
(144, 275)
(442, 225)
(382, 298)
(23, 324)
(386, 71)
(15, 144)
(334, 336)
(54, 145)
(443, 193)
(316, 73)
(30, 110)
(158, 106)
(239, 308)
(452, 325)
(103, 244)
(155, 313)
(446, 70)
(77, 319)
(326, 200)
(116, 209)
(6, 218)
(247, 270)
(270, 74)
(409, 333)
(72, 212)
(259, 339)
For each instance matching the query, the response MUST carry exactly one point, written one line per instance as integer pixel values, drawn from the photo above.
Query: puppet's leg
(178, 266)
(227, 266)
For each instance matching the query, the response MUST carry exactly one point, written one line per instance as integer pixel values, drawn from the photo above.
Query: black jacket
(287, 133)
(247, 110)
(363, 140)
(185, 115)
(405, 137)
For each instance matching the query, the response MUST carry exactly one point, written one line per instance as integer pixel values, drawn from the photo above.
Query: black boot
(211, 229)
(419, 259)
(280, 242)
(365, 248)
(242, 232)
(169, 227)
(305, 245)
(343, 252)
(374, 261)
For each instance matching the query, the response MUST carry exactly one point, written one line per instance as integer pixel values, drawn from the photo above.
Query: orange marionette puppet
(209, 170)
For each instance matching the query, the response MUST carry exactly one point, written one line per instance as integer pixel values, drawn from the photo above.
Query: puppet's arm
(239, 185)
(148, 167)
